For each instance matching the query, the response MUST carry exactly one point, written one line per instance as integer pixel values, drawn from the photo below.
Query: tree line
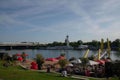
(94, 44)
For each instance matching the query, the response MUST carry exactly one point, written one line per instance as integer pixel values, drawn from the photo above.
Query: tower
(67, 41)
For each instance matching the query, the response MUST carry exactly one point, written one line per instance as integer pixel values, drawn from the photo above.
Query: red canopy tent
(51, 59)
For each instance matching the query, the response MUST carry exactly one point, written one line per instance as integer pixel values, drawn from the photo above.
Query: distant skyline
(46, 21)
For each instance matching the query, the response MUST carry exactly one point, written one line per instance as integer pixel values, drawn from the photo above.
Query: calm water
(56, 53)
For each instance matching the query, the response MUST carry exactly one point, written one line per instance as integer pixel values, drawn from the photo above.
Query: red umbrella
(100, 61)
(60, 57)
(51, 59)
(20, 58)
(18, 54)
(34, 65)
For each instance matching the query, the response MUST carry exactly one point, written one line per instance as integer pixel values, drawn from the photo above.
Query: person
(48, 68)
(108, 68)
(64, 73)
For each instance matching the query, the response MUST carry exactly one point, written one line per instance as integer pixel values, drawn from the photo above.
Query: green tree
(62, 63)
(94, 43)
(116, 44)
(84, 61)
(74, 44)
(23, 55)
(80, 42)
(40, 60)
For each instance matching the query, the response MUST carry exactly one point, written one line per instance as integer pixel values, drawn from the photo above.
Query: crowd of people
(99, 71)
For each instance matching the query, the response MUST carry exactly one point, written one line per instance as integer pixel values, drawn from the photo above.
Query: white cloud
(94, 20)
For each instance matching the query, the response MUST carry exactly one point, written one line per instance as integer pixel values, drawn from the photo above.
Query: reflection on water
(116, 55)
(56, 53)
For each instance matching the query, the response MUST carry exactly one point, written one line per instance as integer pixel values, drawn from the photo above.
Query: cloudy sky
(51, 20)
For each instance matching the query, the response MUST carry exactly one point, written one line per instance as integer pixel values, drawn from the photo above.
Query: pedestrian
(108, 69)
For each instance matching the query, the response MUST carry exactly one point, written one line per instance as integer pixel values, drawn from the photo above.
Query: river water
(55, 53)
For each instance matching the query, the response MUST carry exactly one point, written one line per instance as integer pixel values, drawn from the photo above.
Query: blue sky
(51, 20)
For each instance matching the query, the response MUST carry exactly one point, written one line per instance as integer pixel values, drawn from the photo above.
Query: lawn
(17, 73)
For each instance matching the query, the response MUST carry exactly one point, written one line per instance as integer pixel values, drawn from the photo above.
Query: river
(55, 53)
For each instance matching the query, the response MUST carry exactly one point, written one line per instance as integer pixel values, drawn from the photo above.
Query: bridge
(20, 45)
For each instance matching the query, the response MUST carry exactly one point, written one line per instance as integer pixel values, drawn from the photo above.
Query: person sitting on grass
(64, 73)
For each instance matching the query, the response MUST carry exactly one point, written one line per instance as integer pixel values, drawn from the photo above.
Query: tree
(62, 63)
(40, 60)
(80, 42)
(116, 44)
(62, 54)
(23, 55)
(84, 61)
(94, 43)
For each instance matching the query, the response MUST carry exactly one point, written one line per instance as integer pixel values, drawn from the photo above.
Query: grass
(17, 73)
(14, 73)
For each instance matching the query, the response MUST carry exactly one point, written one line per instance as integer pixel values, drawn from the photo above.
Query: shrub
(40, 60)
(23, 55)
(62, 63)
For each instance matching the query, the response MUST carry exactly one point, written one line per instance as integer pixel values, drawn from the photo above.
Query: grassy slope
(17, 73)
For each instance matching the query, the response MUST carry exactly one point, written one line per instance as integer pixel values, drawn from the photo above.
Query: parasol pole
(108, 47)
(86, 54)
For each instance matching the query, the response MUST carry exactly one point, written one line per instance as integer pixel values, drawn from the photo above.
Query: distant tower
(67, 41)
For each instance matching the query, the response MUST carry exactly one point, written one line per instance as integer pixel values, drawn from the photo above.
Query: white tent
(70, 65)
(76, 61)
(93, 62)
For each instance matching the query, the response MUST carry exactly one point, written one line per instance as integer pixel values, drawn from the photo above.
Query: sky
(47, 21)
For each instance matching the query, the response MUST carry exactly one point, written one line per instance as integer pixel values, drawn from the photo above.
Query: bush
(40, 60)
(23, 55)
(84, 61)
(62, 63)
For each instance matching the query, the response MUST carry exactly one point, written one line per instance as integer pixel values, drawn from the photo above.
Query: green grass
(30, 75)
(17, 73)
